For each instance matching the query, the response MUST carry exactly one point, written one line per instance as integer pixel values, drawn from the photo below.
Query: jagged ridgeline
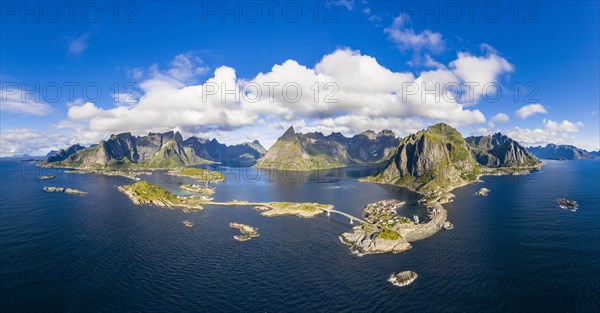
(311, 151)
(166, 150)
(498, 150)
(439, 158)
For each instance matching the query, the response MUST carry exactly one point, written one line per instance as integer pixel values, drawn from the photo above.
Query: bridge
(351, 217)
(267, 204)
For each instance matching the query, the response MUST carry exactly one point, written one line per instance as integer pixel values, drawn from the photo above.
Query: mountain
(434, 158)
(561, 152)
(51, 153)
(245, 154)
(166, 150)
(64, 153)
(596, 154)
(295, 151)
(498, 150)
(440, 159)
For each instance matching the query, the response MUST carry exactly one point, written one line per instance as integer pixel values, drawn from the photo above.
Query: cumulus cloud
(480, 73)
(498, 118)
(16, 100)
(78, 44)
(529, 110)
(345, 91)
(38, 142)
(552, 132)
(407, 39)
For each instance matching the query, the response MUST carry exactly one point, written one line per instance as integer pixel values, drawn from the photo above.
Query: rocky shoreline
(248, 232)
(66, 190)
(303, 210)
(396, 237)
(403, 278)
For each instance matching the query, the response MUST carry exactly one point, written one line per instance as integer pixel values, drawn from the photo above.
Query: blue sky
(540, 59)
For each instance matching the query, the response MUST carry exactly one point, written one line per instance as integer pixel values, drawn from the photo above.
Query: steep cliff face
(166, 150)
(245, 154)
(499, 150)
(436, 158)
(64, 153)
(294, 151)
(562, 152)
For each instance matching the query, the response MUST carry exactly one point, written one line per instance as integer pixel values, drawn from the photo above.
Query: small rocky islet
(482, 192)
(565, 203)
(248, 232)
(65, 190)
(403, 278)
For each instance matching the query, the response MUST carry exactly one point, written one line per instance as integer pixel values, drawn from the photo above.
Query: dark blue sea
(513, 251)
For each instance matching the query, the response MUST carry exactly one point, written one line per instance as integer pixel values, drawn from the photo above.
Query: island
(247, 231)
(188, 223)
(65, 190)
(304, 210)
(46, 177)
(199, 174)
(565, 203)
(403, 278)
(144, 193)
(383, 230)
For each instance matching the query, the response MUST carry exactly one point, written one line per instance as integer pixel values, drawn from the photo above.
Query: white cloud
(38, 142)
(407, 39)
(186, 66)
(364, 88)
(17, 100)
(78, 44)
(529, 110)
(498, 118)
(564, 126)
(552, 132)
(372, 17)
(348, 4)
(363, 95)
(83, 112)
(481, 72)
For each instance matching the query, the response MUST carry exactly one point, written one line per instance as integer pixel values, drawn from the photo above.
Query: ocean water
(514, 250)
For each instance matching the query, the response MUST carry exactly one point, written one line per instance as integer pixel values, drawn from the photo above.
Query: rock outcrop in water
(65, 190)
(301, 152)
(248, 232)
(566, 203)
(403, 278)
(482, 192)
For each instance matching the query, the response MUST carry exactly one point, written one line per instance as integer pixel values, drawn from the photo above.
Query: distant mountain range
(166, 150)
(295, 151)
(563, 152)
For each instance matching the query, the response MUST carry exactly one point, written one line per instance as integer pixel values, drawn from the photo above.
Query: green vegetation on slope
(304, 206)
(146, 191)
(389, 234)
